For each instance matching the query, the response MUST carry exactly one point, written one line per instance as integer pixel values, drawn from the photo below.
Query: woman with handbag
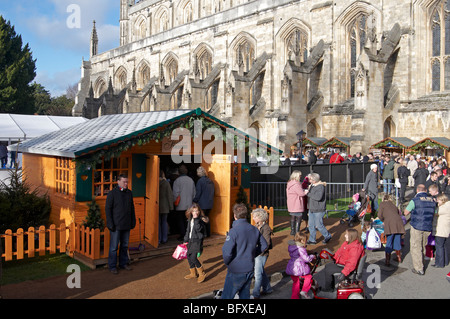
(296, 197)
(394, 228)
(195, 233)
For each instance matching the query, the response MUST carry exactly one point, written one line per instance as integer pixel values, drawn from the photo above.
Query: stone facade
(333, 68)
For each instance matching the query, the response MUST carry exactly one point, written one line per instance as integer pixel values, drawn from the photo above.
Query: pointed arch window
(188, 13)
(358, 37)
(204, 63)
(440, 47)
(245, 56)
(297, 46)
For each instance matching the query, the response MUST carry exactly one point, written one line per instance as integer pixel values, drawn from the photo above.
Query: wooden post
(8, 245)
(62, 238)
(52, 237)
(42, 241)
(95, 243)
(31, 246)
(20, 247)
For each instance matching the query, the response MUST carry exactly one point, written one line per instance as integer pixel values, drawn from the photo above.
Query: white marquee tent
(15, 127)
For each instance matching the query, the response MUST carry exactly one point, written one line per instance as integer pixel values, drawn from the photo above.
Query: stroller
(357, 210)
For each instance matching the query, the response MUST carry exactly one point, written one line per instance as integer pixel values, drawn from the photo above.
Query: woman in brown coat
(393, 228)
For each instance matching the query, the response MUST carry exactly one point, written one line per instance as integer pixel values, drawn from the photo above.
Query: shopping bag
(373, 239)
(180, 252)
(177, 201)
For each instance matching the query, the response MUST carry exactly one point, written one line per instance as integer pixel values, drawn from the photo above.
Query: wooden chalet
(432, 146)
(82, 162)
(401, 145)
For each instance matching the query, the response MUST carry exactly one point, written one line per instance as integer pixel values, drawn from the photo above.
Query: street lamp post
(300, 137)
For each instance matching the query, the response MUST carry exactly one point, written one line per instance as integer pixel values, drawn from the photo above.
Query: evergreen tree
(17, 70)
(20, 205)
(94, 218)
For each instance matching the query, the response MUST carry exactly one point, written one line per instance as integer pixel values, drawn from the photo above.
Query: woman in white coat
(442, 231)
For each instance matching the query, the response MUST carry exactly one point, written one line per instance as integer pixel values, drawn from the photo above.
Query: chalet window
(440, 47)
(63, 180)
(106, 174)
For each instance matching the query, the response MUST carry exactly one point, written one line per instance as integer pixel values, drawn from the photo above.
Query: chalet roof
(20, 126)
(106, 130)
(403, 141)
(333, 140)
(442, 142)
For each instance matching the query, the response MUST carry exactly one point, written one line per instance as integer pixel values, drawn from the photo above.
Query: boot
(201, 274)
(292, 228)
(297, 226)
(399, 255)
(193, 274)
(388, 259)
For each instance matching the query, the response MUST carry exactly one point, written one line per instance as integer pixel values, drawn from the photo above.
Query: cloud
(58, 82)
(69, 26)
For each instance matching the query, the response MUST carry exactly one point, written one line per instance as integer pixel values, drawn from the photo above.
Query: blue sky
(59, 32)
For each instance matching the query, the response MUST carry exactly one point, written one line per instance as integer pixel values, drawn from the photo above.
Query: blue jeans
(387, 188)
(442, 259)
(393, 242)
(261, 279)
(237, 283)
(316, 221)
(121, 237)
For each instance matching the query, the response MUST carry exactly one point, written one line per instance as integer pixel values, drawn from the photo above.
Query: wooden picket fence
(34, 242)
(90, 243)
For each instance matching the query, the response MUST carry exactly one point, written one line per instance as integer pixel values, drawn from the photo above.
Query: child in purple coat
(297, 266)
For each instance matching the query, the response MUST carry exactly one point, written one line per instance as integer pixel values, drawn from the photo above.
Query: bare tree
(72, 91)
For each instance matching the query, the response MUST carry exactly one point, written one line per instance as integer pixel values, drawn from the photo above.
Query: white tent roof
(18, 126)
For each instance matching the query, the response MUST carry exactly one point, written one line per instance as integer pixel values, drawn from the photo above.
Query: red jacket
(336, 158)
(348, 255)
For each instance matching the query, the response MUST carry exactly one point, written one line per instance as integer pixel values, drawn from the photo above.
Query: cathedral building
(364, 70)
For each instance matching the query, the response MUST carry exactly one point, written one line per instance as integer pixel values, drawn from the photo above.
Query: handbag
(177, 201)
(180, 252)
(373, 239)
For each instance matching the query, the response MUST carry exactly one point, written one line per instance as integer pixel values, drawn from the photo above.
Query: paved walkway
(162, 277)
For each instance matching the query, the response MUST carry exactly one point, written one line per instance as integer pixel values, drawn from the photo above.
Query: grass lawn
(16, 271)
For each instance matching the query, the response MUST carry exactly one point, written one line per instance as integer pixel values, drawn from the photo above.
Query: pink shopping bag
(180, 252)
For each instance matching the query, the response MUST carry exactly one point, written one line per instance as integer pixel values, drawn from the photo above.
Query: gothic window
(144, 76)
(358, 37)
(297, 47)
(141, 29)
(245, 56)
(99, 88)
(440, 47)
(163, 22)
(171, 70)
(204, 63)
(121, 79)
(188, 13)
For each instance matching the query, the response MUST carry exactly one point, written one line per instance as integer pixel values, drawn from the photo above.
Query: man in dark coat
(403, 173)
(120, 219)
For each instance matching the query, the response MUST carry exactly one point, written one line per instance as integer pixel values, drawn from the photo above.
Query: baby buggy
(356, 210)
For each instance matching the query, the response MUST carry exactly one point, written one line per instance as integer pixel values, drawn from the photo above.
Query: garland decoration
(91, 160)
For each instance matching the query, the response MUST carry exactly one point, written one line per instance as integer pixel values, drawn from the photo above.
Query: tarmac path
(162, 277)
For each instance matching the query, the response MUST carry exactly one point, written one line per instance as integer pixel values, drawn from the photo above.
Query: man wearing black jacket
(403, 173)
(120, 219)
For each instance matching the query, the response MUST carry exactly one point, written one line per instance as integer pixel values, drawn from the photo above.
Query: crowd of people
(246, 248)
